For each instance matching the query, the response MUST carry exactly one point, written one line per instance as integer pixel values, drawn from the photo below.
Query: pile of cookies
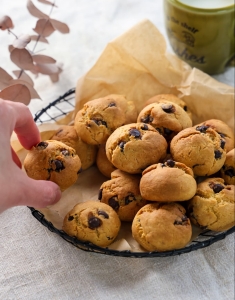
(163, 172)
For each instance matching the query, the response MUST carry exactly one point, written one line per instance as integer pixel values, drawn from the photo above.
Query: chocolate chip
(163, 165)
(129, 199)
(100, 194)
(113, 202)
(230, 172)
(135, 132)
(178, 222)
(170, 163)
(111, 104)
(99, 122)
(222, 143)
(58, 165)
(121, 145)
(216, 187)
(221, 134)
(103, 213)
(183, 221)
(65, 152)
(184, 218)
(167, 131)
(70, 218)
(144, 127)
(185, 108)
(94, 222)
(202, 128)
(42, 145)
(168, 108)
(218, 154)
(147, 119)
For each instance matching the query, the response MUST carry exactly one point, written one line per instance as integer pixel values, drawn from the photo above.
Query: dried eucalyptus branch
(21, 89)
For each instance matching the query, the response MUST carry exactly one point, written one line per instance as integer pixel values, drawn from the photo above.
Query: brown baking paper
(136, 65)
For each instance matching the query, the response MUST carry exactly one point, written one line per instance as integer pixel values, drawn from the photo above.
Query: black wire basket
(53, 112)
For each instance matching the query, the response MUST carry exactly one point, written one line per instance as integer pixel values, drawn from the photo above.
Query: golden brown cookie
(165, 116)
(54, 161)
(224, 131)
(68, 135)
(133, 147)
(171, 98)
(92, 221)
(102, 162)
(100, 117)
(213, 205)
(228, 170)
(162, 227)
(200, 148)
(122, 193)
(169, 181)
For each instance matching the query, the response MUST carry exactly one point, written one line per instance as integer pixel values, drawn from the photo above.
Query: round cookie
(224, 131)
(169, 181)
(134, 147)
(68, 135)
(228, 170)
(171, 98)
(102, 162)
(92, 221)
(162, 227)
(100, 117)
(122, 193)
(167, 117)
(54, 161)
(200, 148)
(213, 205)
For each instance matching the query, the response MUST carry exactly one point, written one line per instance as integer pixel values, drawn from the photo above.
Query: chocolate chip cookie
(162, 227)
(171, 98)
(68, 135)
(102, 162)
(200, 148)
(169, 181)
(100, 117)
(228, 170)
(92, 221)
(165, 116)
(226, 133)
(213, 205)
(133, 147)
(122, 193)
(54, 161)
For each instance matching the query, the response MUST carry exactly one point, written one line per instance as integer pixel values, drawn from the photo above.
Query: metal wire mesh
(59, 108)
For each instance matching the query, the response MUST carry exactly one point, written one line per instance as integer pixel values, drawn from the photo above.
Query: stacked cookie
(153, 162)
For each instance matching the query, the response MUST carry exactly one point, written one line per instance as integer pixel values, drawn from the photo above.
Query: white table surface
(38, 264)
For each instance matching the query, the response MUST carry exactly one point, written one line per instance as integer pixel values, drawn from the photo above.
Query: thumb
(39, 193)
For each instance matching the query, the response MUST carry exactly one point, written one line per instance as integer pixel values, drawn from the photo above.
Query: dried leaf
(6, 23)
(47, 69)
(43, 59)
(47, 2)
(22, 41)
(44, 27)
(34, 11)
(55, 77)
(17, 93)
(23, 76)
(4, 78)
(22, 58)
(60, 26)
(39, 38)
(32, 91)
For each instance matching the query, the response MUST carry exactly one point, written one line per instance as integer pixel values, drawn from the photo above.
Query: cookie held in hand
(54, 161)
(92, 221)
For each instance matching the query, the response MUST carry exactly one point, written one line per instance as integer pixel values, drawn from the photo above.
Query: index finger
(17, 116)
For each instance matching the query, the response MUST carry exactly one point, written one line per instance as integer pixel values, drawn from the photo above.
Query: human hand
(16, 187)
